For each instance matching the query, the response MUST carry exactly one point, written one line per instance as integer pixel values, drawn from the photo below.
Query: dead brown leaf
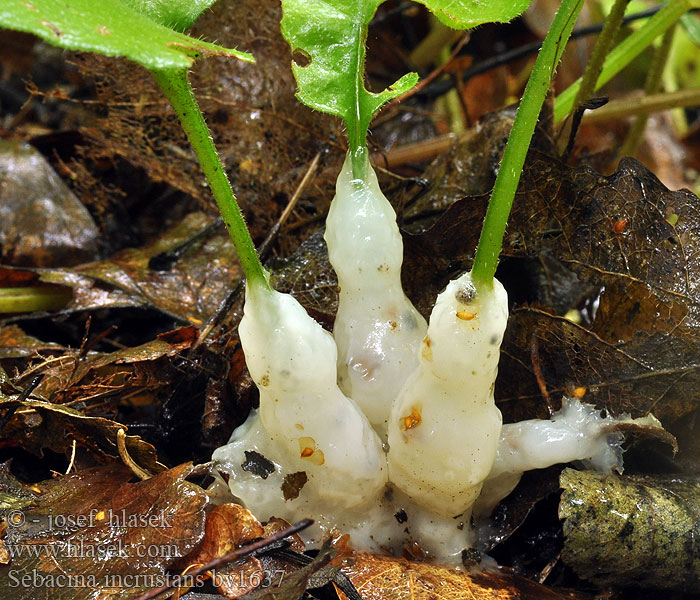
(37, 425)
(93, 535)
(191, 289)
(42, 223)
(228, 527)
(374, 575)
(624, 245)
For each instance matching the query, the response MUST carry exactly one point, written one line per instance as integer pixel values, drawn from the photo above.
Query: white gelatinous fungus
(377, 329)
(305, 424)
(576, 432)
(445, 427)
(311, 451)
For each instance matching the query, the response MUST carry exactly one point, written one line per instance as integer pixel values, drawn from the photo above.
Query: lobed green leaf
(115, 28)
(465, 14)
(173, 14)
(330, 36)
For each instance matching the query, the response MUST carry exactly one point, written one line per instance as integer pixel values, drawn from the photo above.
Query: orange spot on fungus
(465, 315)
(426, 352)
(411, 421)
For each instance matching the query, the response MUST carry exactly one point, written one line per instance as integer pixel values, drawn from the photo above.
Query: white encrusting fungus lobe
(442, 464)
(377, 330)
(296, 358)
(428, 390)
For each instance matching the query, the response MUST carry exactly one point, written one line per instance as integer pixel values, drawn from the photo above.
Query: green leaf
(466, 14)
(112, 28)
(691, 25)
(330, 35)
(173, 14)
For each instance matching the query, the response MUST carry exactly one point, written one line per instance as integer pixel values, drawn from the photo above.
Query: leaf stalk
(503, 193)
(176, 86)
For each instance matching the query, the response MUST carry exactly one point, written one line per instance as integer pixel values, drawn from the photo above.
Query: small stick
(535, 360)
(227, 303)
(5, 419)
(232, 556)
(310, 171)
(126, 458)
(548, 569)
(417, 152)
(72, 457)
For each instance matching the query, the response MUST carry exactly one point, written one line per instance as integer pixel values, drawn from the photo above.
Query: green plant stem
(32, 299)
(359, 158)
(491, 240)
(177, 89)
(602, 46)
(440, 36)
(453, 103)
(626, 52)
(651, 86)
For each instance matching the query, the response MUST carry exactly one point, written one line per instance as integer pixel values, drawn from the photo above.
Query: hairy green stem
(626, 52)
(359, 159)
(491, 240)
(177, 89)
(595, 64)
(651, 86)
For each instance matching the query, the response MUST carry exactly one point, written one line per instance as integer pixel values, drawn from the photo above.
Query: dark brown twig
(24, 395)
(232, 556)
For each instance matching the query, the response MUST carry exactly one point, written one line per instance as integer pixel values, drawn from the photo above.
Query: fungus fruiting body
(324, 421)
(377, 329)
(389, 431)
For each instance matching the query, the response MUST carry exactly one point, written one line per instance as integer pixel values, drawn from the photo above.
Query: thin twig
(418, 152)
(5, 419)
(232, 556)
(227, 303)
(74, 445)
(126, 458)
(310, 171)
(535, 360)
